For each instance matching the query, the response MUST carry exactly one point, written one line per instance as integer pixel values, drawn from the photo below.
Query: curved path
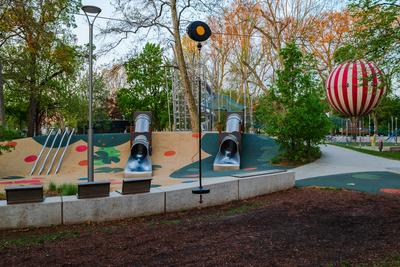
(337, 160)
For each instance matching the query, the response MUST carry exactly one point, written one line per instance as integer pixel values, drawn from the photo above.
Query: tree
(375, 36)
(162, 16)
(146, 89)
(377, 33)
(326, 33)
(2, 105)
(389, 107)
(73, 102)
(293, 111)
(37, 53)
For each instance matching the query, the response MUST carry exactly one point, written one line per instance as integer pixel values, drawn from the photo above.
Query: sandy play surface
(174, 159)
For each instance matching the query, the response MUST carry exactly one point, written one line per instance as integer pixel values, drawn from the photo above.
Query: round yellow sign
(200, 30)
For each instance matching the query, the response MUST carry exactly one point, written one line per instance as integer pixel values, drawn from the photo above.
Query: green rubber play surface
(257, 151)
(256, 154)
(370, 182)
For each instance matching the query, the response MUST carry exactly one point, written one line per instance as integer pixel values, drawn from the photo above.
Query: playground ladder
(65, 150)
(56, 153)
(41, 152)
(48, 153)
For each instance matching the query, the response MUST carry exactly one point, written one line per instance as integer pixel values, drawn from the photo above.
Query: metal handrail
(65, 149)
(48, 153)
(41, 152)
(56, 153)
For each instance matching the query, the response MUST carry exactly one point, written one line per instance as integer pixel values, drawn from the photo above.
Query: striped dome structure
(355, 88)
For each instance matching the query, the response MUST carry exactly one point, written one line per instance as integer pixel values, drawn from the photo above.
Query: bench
(93, 189)
(136, 186)
(24, 194)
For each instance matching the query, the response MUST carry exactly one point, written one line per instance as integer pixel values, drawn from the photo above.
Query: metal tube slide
(41, 152)
(139, 162)
(233, 123)
(65, 150)
(56, 153)
(142, 123)
(48, 153)
(228, 156)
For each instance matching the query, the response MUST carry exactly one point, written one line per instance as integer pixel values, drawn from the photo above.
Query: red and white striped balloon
(355, 88)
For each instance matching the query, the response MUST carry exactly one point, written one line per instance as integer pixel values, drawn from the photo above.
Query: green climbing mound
(257, 151)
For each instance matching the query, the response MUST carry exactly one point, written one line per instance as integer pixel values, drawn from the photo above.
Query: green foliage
(39, 59)
(66, 189)
(146, 89)
(293, 110)
(390, 106)
(52, 187)
(345, 53)
(7, 134)
(375, 35)
(75, 103)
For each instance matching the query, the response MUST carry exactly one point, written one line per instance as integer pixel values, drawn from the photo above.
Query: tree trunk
(187, 89)
(375, 123)
(2, 109)
(32, 114)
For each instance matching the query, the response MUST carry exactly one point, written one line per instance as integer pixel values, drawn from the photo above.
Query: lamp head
(198, 31)
(91, 9)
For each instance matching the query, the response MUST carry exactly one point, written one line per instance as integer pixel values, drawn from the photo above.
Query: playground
(199, 133)
(174, 158)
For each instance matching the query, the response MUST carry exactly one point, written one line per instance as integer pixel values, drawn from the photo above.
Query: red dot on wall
(83, 163)
(14, 144)
(81, 148)
(196, 135)
(30, 158)
(169, 153)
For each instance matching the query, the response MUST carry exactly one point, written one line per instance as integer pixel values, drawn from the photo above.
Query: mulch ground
(298, 227)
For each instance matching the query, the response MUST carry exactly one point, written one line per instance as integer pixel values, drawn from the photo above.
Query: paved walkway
(337, 160)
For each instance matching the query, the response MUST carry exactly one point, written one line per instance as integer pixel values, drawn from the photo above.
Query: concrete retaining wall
(45, 213)
(262, 185)
(70, 209)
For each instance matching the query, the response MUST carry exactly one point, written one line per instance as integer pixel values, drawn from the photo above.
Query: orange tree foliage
(324, 35)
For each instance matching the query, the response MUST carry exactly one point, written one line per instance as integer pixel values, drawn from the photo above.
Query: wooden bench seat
(93, 189)
(24, 194)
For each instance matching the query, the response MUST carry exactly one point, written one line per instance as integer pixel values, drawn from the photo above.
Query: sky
(127, 46)
(82, 32)
(118, 53)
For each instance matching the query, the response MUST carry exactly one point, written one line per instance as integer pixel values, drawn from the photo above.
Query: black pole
(199, 100)
(200, 190)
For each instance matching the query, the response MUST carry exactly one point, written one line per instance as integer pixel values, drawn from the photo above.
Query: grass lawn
(384, 154)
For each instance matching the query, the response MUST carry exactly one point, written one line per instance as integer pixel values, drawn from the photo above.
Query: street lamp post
(199, 31)
(90, 11)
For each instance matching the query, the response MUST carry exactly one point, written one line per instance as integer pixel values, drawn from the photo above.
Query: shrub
(67, 189)
(63, 189)
(52, 187)
(294, 110)
(9, 134)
